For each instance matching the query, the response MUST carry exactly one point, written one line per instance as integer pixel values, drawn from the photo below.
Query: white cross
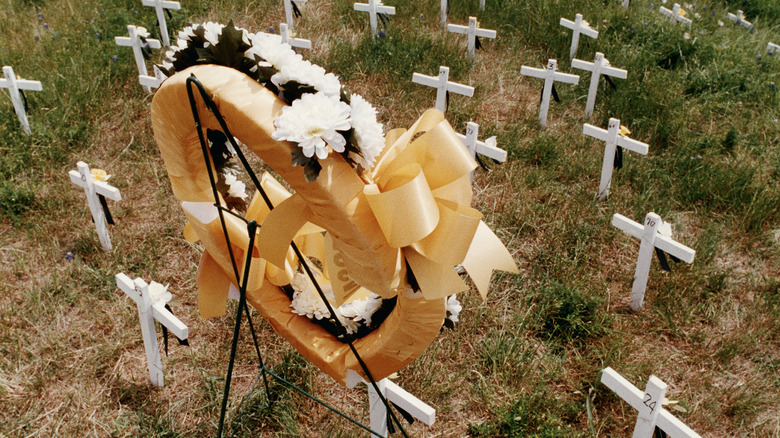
(579, 26)
(772, 47)
(613, 141)
(395, 394)
(293, 42)
(134, 41)
(487, 148)
(651, 239)
(482, 5)
(92, 188)
(153, 81)
(288, 12)
(740, 19)
(14, 85)
(649, 405)
(444, 14)
(159, 5)
(550, 76)
(151, 300)
(472, 31)
(600, 66)
(374, 7)
(442, 85)
(674, 14)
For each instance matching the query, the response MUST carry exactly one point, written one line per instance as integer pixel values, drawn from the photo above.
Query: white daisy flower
(361, 310)
(368, 132)
(313, 121)
(236, 188)
(306, 301)
(453, 307)
(271, 48)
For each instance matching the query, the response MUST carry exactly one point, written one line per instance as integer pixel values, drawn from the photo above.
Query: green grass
(524, 363)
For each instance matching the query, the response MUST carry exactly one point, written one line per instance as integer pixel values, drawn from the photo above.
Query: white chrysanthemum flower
(304, 72)
(350, 325)
(306, 301)
(271, 48)
(328, 84)
(212, 32)
(453, 307)
(142, 32)
(313, 121)
(236, 188)
(185, 35)
(368, 132)
(361, 310)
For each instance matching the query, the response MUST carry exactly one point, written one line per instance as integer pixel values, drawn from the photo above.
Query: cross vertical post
(150, 300)
(14, 85)
(472, 32)
(600, 66)
(650, 239)
(481, 5)
(374, 7)
(613, 141)
(397, 395)
(160, 6)
(92, 188)
(288, 13)
(578, 26)
(134, 41)
(649, 405)
(443, 18)
(442, 85)
(550, 76)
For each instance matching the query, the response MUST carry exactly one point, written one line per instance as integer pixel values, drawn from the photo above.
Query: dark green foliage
(15, 200)
(566, 315)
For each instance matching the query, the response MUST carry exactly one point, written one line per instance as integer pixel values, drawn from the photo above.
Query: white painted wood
(650, 239)
(625, 4)
(153, 82)
(481, 5)
(472, 32)
(443, 15)
(442, 85)
(642, 403)
(14, 85)
(772, 48)
(474, 146)
(92, 188)
(613, 140)
(674, 15)
(600, 66)
(293, 42)
(160, 6)
(288, 13)
(578, 26)
(394, 393)
(739, 19)
(550, 75)
(374, 7)
(135, 42)
(150, 300)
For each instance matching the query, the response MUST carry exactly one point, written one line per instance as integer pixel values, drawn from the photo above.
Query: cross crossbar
(739, 19)
(646, 403)
(550, 75)
(475, 146)
(772, 47)
(613, 141)
(14, 85)
(92, 188)
(578, 26)
(472, 32)
(442, 85)
(374, 7)
(674, 14)
(600, 66)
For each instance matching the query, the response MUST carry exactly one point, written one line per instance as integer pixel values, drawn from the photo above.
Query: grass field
(524, 363)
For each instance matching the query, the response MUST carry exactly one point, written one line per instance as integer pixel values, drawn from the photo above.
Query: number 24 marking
(647, 402)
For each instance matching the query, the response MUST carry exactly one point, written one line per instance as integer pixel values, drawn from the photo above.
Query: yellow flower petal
(100, 175)
(624, 131)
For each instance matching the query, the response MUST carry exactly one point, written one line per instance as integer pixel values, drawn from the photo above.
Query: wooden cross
(374, 7)
(600, 66)
(472, 31)
(550, 76)
(487, 148)
(14, 85)
(153, 81)
(288, 12)
(649, 405)
(651, 239)
(772, 48)
(579, 26)
(443, 14)
(739, 19)
(481, 5)
(393, 394)
(151, 300)
(94, 189)
(293, 42)
(160, 6)
(443, 86)
(674, 14)
(614, 140)
(134, 41)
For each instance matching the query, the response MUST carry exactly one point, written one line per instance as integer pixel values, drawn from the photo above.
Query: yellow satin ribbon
(419, 192)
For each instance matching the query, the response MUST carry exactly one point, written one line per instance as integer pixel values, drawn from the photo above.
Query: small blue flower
(381, 33)
(40, 18)
(771, 53)
(422, 16)
(758, 57)
(46, 26)
(271, 29)
(652, 6)
(97, 35)
(114, 58)
(773, 86)
(69, 256)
